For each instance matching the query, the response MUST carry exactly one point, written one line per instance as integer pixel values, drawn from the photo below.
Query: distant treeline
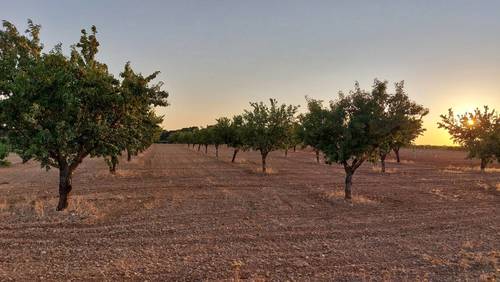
(437, 147)
(165, 134)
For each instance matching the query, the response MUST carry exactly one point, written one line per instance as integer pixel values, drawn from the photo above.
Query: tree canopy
(478, 132)
(59, 109)
(266, 128)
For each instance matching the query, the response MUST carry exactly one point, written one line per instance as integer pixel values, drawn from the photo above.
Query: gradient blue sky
(216, 56)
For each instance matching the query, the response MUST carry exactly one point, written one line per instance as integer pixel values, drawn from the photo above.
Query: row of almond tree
(356, 127)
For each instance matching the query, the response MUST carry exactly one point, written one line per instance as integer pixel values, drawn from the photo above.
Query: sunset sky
(216, 56)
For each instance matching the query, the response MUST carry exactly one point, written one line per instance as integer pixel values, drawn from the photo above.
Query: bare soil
(174, 213)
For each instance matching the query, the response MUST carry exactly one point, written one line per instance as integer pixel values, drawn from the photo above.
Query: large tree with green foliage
(352, 129)
(266, 128)
(478, 132)
(59, 109)
(409, 117)
(403, 117)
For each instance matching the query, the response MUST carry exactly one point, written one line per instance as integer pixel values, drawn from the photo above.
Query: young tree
(312, 124)
(292, 138)
(267, 127)
(205, 137)
(409, 116)
(403, 118)
(221, 133)
(58, 110)
(353, 129)
(478, 132)
(235, 139)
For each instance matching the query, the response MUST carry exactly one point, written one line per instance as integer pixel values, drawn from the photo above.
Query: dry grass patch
(487, 262)
(28, 207)
(401, 161)
(439, 192)
(339, 196)
(460, 169)
(4, 207)
(387, 170)
(156, 201)
(436, 261)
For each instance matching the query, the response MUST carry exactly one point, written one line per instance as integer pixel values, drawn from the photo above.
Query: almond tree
(352, 129)
(266, 128)
(236, 136)
(409, 118)
(59, 110)
(312, 123)
(293, 138)
(221, 133)
(478, 132)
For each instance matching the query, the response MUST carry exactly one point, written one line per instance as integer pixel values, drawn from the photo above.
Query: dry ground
(177, 214)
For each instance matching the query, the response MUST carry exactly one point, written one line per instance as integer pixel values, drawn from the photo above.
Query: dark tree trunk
(206, 149)
(112, 167)
(294, 148)
(217, 151)
(382, 161)
(286, 152)
(348, 185)
(65, 175)
(396, 151)
(317, 155)
(199, 145)
(234, 154)
(264, 156)
(129, 156)
(484, 162)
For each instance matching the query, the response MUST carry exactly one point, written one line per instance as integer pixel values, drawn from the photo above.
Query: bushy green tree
(205, 137)
(236, 140)
(266, 128)
(58, 109)
(478, 132)
(352, 129)
(293, 138)
(403, 119)
(409, 117)
(221, 133)
(312, 125)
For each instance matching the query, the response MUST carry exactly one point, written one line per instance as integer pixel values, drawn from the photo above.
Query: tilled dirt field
(174, 213)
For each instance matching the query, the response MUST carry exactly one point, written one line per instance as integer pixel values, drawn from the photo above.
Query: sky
(217, 56)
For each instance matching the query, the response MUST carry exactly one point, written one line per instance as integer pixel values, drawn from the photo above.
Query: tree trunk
(317, 156)
(264, 156)
(484, 162)
(382, 161)
(348, 185)
(234, 154)
(294, 148)
(217, 151)
(206, 149)
(199, 145)
(65, 175)
(112, 167)
(129, 156)
(286, 152)
(396, 151)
